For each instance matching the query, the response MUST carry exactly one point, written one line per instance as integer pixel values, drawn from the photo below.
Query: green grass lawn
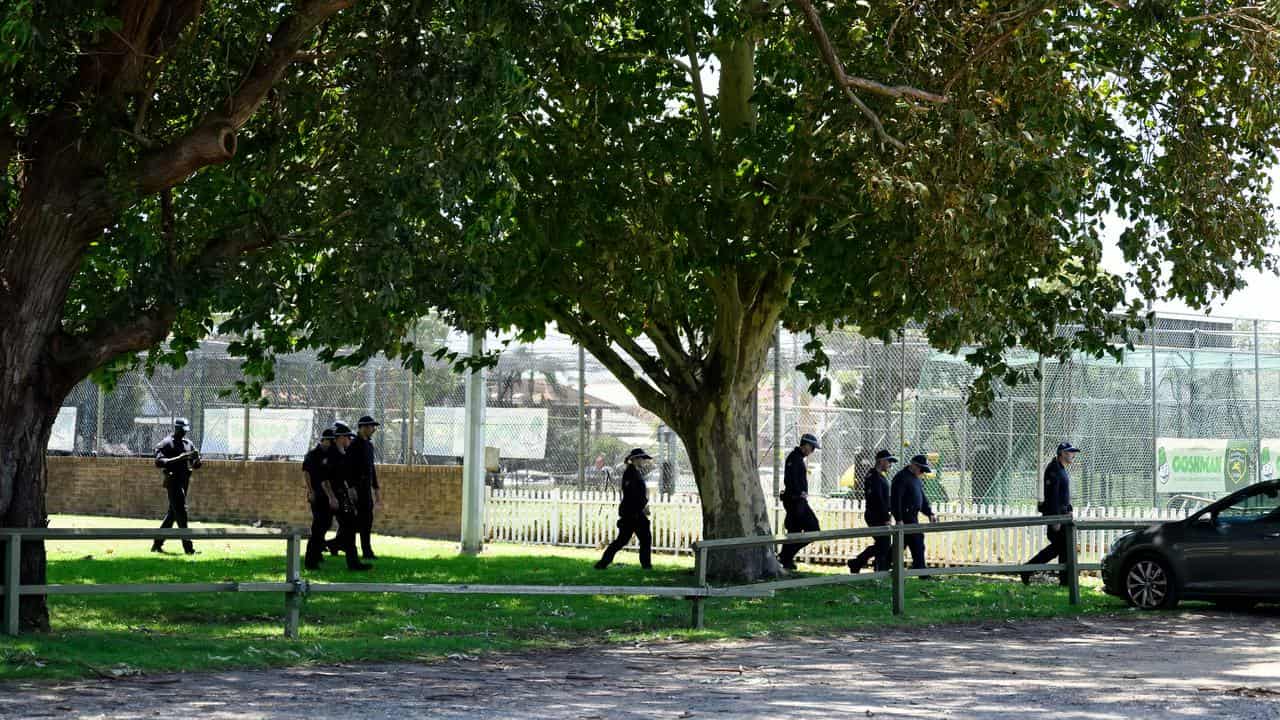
(126, 634)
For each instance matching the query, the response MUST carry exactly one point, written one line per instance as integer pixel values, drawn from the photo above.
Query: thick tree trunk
(41, 250)
(23, 440)
(723, 455)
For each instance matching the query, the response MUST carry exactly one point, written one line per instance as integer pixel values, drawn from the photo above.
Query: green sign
(1209, 466)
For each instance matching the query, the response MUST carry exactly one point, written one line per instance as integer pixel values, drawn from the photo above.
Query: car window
(1261, 506)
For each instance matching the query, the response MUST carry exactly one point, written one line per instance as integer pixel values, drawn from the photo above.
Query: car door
(1203, 545)
(1252, 531)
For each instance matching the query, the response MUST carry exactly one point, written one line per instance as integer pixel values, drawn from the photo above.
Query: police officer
(344, 473)
(633, 511)
(1057, 501)
(875, 487)
(176, 457)
(366, 482)
(795, 498)
(907, 501)
(320, 495)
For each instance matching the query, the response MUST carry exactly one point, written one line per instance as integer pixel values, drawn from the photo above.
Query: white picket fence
(588, 519)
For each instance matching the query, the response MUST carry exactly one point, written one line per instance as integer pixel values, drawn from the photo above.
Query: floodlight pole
(473, 455)
(1257, 403)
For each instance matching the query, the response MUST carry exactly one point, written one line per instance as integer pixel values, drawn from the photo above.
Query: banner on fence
(518, 433)
(1191, 465)
(1212, 466)
(63, 437)
(286, 432)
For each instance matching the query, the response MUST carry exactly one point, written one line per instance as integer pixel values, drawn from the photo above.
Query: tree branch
(1019, 21)
(212, 141)
(80, 354)
(125, 58)
(647, 395)
(695, 76)
(837, 69)
(618, 333)
(668, 346)
(1245, 11)
(895, 91)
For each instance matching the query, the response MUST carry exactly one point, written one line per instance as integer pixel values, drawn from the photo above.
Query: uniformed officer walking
(907, 501)
(633, 511)
(876, 492)
(344, 472)
(176, 457)
(366, 482)
(1057, 501)
(320, 496)
(795, 498)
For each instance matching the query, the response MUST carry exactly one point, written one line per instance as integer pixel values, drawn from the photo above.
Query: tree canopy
(684, 175)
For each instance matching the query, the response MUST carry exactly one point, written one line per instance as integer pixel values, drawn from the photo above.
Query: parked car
(1228, 553)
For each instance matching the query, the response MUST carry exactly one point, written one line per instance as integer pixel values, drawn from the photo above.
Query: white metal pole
(582, 418)
(1155, 420)
(1257, 403)
(473, 456)
(777, 420)
(1040, 451)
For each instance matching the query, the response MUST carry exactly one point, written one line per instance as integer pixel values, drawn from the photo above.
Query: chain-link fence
(559, 418)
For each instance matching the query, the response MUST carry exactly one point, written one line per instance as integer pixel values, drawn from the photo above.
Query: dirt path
(1197, 664)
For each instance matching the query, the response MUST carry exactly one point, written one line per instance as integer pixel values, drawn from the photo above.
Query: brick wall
(416, 501)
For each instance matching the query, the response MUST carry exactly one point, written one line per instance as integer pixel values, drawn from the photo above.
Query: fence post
(293, 576)
(12, 582)
(700, 575)
(899, 573)
(1072, 571)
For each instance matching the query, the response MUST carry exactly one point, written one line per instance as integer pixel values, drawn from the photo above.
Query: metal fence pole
(245, 456)
(12, 582)
(293, 575)
(1155, 421)
(902, 392)
(582, 418)
(899, 573)
(777, 420)
(1257, 403)
(473, 468)
(1040, 402)
(412, 409)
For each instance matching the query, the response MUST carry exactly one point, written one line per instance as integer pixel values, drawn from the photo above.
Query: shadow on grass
(222, 630)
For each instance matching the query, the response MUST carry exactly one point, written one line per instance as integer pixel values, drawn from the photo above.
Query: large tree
(165, 162)
(688, 174)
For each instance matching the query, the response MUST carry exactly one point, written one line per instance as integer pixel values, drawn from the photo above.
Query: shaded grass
(124, 634)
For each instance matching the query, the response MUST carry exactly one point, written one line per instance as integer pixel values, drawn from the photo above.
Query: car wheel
(1148, 584)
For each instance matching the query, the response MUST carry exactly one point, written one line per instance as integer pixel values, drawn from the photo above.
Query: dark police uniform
(316, 466)
(907, 502)
(177, 480)
(632, 519)
(1057, 501)
(800, 517)
(876, 489)
(365, 483)
(344, 472)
